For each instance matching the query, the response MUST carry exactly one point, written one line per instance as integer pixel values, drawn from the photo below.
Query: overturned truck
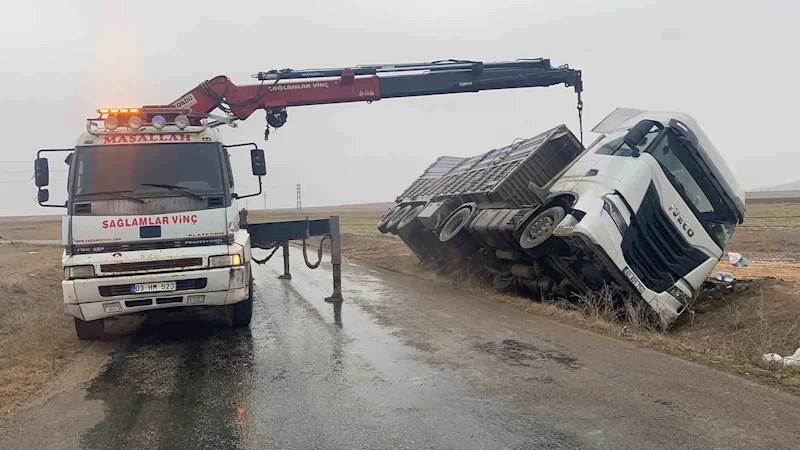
(646, 210)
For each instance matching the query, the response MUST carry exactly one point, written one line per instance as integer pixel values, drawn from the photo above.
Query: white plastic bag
(734, 258)
(790, 361)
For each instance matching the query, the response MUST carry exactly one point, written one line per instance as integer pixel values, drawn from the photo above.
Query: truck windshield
(157, 170)
(616, 146)
(696, 186)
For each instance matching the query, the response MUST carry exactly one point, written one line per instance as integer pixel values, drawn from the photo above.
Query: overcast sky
(731, 64)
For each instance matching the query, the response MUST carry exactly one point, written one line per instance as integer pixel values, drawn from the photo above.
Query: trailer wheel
(89, 330)
(456, 222)
(242, 312)
(394, 221)
(541, 227)
(383, 224)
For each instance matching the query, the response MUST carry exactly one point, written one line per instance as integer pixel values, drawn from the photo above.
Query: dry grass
(12, 287)
(36, 339)
(737, 327)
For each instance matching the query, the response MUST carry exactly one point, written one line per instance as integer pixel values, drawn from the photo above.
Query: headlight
(71, 272)
(616, 216)
(679, 295)
(225, 260)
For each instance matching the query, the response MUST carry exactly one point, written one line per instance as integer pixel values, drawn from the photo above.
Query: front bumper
(597, 233)
(223, 286)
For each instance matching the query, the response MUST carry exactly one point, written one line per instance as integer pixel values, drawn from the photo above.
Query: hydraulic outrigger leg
(278, 234)
(336, 261)
(286, 274)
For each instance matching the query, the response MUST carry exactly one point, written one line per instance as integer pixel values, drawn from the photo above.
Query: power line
(31, 171)
(28, 181)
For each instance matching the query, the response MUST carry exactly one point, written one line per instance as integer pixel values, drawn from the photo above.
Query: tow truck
(152, 218)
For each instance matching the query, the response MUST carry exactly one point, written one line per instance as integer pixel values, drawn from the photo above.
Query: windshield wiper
(177, 189)
(117, 194)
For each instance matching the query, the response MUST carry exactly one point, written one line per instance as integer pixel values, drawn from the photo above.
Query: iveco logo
(681, 221)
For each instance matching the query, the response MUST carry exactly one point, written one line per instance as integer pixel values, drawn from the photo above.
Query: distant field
(772, 196)
(770, 233)
(30, 227)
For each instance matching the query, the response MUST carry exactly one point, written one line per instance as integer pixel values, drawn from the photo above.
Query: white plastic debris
(789, 361)
(725, 277)
(737, 260)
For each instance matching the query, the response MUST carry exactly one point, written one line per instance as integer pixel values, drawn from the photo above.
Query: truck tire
(242, 312)
(383, 224)
(394, 221)
(540, 229)
(89, 330)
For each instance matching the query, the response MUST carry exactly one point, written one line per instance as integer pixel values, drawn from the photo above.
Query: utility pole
(299, 199)
(265, 204)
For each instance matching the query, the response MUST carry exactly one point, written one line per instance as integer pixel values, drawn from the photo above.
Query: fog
(730, 64)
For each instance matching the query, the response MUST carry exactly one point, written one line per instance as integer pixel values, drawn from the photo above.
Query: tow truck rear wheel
(89, 330)
(242, 312)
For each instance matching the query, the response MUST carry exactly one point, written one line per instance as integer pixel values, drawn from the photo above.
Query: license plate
(142, 288)
(634, 279)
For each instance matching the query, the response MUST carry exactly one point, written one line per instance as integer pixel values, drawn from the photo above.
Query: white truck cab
(654, 200)
(152, 220)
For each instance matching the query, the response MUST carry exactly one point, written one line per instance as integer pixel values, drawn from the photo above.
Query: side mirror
(68, 159)
(43, 196)
(258, 162)
(41, 172)
(637, 133)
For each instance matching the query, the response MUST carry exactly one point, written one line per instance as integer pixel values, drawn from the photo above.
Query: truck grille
(148, 245)
(125, 289)
(151, 265)
(654, 249)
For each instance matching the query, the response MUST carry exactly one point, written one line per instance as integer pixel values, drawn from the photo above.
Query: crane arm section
(279, 89)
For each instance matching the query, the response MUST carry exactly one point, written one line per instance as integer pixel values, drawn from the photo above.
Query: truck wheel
(242, 312)
(89, 330)
(541, 227)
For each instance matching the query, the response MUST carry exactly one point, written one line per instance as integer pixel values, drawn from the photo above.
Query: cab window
(695, 187)
(616, 146)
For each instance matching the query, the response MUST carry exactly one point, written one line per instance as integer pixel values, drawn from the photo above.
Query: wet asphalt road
(303, 376)
(403, 364)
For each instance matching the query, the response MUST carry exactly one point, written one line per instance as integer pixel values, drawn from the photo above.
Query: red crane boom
(279, 89)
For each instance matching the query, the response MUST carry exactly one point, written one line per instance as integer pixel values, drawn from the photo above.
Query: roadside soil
(39, 353)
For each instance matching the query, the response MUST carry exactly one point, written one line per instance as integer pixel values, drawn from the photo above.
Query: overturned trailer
(646, 210)
(479, 210)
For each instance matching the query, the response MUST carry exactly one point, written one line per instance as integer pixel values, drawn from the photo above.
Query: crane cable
(580, 115)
